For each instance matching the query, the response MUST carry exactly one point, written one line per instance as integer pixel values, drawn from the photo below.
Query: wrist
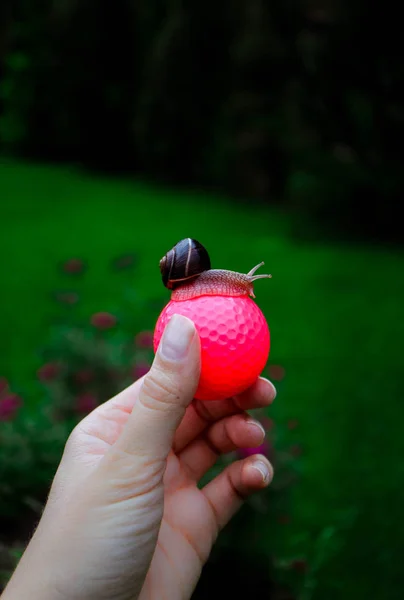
(32, 577)
(34, 586)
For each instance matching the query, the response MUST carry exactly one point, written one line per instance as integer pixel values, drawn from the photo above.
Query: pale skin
(125, 519)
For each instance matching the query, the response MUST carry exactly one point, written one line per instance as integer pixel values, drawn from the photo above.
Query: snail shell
(184, 262)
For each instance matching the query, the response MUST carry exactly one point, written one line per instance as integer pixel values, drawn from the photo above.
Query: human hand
(125, 518)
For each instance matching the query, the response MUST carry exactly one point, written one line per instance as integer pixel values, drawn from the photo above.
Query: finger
(227, 492)
(226, 435)
(167, 389)
(200, 415)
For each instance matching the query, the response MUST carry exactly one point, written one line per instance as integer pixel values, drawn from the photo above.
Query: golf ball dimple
(235, 341)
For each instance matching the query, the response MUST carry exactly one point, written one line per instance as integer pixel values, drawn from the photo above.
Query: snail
(186, 270)
(233, 332)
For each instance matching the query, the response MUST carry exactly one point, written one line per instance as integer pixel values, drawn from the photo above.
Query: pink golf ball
(235, 341)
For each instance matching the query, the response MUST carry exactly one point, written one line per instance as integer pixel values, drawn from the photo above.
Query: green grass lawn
(335, 318)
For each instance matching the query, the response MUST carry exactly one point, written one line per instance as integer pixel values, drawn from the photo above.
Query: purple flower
(276, 372)
(144, 339)
(9, 405)
(264, 449)
(67, 297)
(103, 320)
(124, 262)
(48, 372)
(85, 403)
(73, 266)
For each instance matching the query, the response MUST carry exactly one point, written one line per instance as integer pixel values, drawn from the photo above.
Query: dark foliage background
(295, 103)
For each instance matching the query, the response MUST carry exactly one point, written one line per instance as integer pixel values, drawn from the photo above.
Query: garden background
(268, 131)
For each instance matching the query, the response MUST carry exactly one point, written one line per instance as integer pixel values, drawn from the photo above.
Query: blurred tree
(297, 103)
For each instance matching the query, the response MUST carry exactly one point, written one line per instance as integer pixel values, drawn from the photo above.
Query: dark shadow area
(232, 575)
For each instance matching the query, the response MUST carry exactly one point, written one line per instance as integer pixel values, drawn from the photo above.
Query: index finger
(199, 415)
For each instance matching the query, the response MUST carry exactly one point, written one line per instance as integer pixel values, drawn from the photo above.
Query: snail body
(234, 335)
(185, 269)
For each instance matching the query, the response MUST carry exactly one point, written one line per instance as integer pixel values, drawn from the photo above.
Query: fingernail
(256, 424)
(273, 388)
(263, 469)
(177, 337)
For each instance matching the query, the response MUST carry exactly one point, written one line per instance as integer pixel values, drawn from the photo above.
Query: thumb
(167, 390)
